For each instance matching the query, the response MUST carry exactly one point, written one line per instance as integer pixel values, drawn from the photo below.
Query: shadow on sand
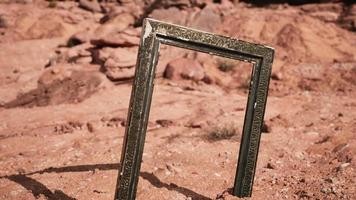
(39, 189)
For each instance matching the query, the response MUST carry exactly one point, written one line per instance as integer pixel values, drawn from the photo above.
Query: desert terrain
(66, 71)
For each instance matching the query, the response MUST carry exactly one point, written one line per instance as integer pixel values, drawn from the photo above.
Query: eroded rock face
(289, 37)
(206, 20)
(170, 15)
(183, 68)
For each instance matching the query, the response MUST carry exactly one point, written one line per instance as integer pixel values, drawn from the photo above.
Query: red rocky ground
(65, 81)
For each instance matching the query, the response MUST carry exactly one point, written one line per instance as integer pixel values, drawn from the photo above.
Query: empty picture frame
(153, 34)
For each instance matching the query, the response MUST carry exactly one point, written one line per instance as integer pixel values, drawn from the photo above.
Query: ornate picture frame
(155, 33)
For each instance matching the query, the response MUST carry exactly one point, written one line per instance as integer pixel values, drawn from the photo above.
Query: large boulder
(117, 57)
(126, 38)
(21, 65)
(117, 63)
(90, 5)
(184, 68)
(166, 55)
(57, 85)
(23, 56)
(48, 25)
(115, 24)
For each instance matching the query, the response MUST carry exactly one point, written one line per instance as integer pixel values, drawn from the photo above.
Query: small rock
(92, 5)
(270, 166)
(99, 192)
(3, 22)
(309, 125)
(63, 129)
(164, 122)
(323, 140)
(330, 180)
(123, 123)
(343, 166)
(184, 68)
(173, 168)
(302, 194)
(196, 124)
(265, 128)
(21, 170)
(325, 190)
(115, 122)
(277, 76)
(223, 194)
(90, 127)
(313, 135)
(340, 147)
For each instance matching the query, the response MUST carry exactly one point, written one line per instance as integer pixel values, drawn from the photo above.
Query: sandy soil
(65, 83)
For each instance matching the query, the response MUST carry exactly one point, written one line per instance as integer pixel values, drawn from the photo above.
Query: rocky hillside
(65, 80)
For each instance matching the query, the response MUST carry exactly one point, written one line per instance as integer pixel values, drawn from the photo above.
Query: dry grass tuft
(222, 132)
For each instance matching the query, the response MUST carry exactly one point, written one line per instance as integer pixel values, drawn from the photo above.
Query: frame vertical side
(137, 116)
(240, 178)
(251, 139)
(146, 112)
(262, 94)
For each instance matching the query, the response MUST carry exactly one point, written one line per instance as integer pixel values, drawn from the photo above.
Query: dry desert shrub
(222, 132)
